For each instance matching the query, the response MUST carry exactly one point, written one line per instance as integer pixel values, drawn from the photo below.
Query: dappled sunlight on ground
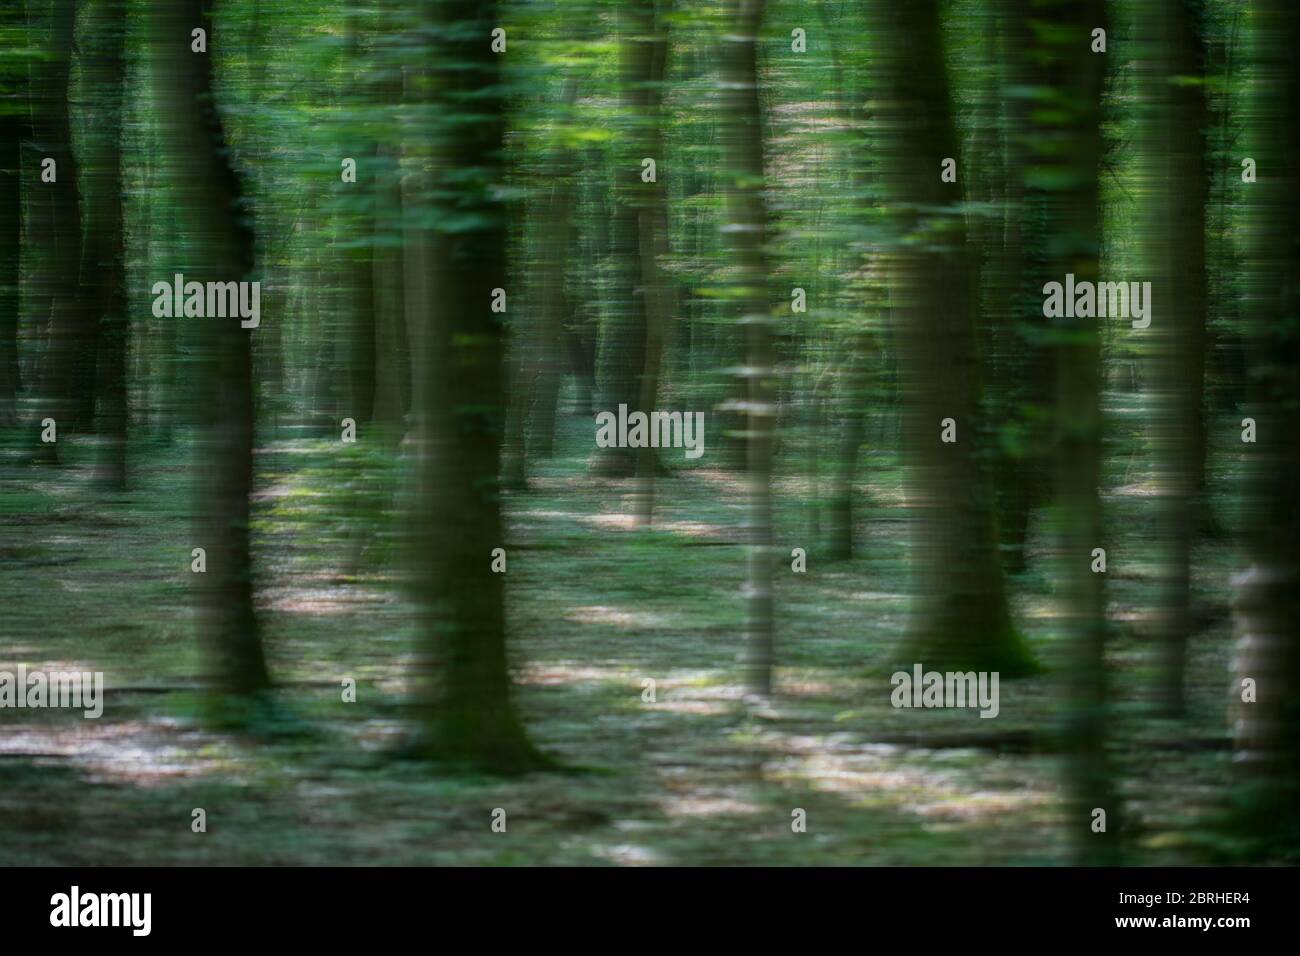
(145, 753)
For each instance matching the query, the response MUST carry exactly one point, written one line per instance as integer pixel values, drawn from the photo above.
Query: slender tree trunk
(1173, 191)
(854, 387)
(556, 246)
(392, 361)
(351, 248)
(56, 226)
(15, 128)
(536, 354)
(746, 229)
(627, 349)
(652, 243)
(103, 268)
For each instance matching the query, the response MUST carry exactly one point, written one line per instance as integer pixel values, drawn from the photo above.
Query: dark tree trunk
(1065, 148)
(15, 129)
(629, 351)
(460, 415)
(103, 268)
(209, 194)
(1019, 354)
(392, 360)
(1174, 189)
(1267, 608)
(55, 231)
(960, 618)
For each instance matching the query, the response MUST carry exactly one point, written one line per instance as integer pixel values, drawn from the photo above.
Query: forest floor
(96, 582)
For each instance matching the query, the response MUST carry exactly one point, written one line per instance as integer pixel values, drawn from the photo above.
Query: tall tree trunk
(56, 220)
(103, 268)
(1065, 152)
(392, 371)
(461, 410)
(625, 347)
(1019, 354)
(536, 352)
(15, 128)
(557, 245)
(1267, 607)
(209, 194)
(652, 240)
(392, 362)
(960, 618)
(746, 229)
(855, 380)
(1173, 191)
(351, 240)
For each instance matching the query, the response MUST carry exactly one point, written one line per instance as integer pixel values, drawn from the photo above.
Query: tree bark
(103, 267)
(746, 231)
(55, 231)
(1267, 607)
(15, 129)
(461, 410)
(209, 193)
(960, 618)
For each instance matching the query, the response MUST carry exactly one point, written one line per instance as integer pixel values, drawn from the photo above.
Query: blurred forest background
(800, 263)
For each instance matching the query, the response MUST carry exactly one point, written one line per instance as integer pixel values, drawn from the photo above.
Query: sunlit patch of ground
(694, 529)
(707, 802)
(719, 481)
(143, 753)
(793, 685)
(612, 522)
(570, 673)
(327, 599)
(910, 780)
(600, 615)
(627, 854)
(524, 516)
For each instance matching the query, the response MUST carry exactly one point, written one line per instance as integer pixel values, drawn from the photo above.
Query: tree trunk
(627, 351)
(103, 269)
(56, 222)
(15, 119)
(1019, 353)
(1267, 608)
(960, 619)
(746, 229)
(392, 363)
(652, 240)
(1065, 150)
(1173, 191)
(209, 194)
(461, 412)
(555, 308)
